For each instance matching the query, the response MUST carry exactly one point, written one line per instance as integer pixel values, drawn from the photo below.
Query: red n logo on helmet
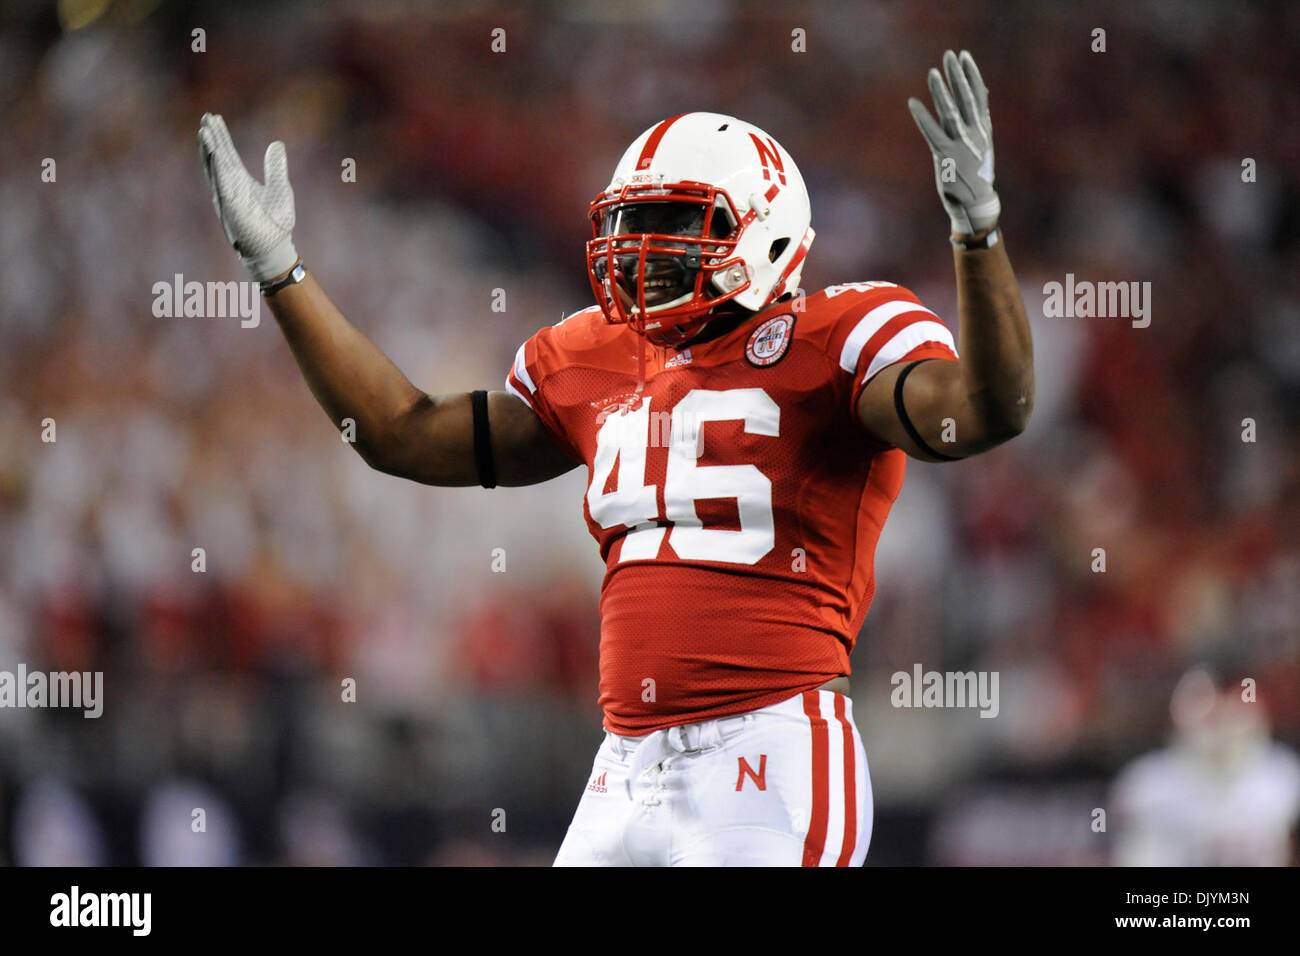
(769, 156)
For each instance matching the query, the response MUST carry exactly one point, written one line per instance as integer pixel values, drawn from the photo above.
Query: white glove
(258, 219)
(963, 147)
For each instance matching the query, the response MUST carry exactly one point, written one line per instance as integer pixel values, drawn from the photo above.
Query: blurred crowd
(475, 688)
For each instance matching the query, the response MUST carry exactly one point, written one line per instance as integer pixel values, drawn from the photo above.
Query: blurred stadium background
(474, 170)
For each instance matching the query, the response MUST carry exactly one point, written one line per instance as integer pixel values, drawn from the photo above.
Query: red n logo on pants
(759, 778)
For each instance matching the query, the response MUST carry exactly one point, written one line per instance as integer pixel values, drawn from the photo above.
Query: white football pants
(786, 785)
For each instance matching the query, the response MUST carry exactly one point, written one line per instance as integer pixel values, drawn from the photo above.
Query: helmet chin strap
(633, 401)
(640, 373)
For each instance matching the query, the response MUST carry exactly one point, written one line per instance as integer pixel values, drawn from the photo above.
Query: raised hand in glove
(962, 144)
(257, 217)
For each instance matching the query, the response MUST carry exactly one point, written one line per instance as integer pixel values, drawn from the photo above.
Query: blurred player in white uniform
(1221, 794)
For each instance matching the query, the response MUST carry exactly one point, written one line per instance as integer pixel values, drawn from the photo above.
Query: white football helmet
(703, 209)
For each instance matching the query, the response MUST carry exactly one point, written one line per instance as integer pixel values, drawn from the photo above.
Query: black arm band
(487, 469)
(901, 409)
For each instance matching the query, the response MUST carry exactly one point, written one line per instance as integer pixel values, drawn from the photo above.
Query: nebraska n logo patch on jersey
(770, 341)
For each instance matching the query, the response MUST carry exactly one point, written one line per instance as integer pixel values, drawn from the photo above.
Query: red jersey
(738, 506)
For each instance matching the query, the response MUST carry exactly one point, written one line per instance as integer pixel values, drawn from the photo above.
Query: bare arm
(989, 394)
(967, 407)
(401, 430)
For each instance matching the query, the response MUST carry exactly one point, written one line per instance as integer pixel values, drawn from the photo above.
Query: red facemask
(654, 254)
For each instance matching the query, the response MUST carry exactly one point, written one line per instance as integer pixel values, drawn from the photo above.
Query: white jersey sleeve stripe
(521, 372)
(518, 394)
(907, 339)
(869, 325)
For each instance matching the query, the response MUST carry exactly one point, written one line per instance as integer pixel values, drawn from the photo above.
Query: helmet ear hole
(777, 248)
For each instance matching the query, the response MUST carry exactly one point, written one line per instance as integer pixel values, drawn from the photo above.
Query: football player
(1222, 793)
(744, 443)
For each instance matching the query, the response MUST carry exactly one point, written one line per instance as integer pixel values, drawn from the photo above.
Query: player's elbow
(1016, 418)
(376, 453)
(1009, 418)
(385, 444)
(378, 457)
(998, 420)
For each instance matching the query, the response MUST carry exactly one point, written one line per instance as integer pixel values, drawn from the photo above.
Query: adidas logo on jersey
(598, 785)
(681, 358)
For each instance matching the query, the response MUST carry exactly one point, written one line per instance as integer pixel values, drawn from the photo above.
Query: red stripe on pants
(850, 787)
(815, 841)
